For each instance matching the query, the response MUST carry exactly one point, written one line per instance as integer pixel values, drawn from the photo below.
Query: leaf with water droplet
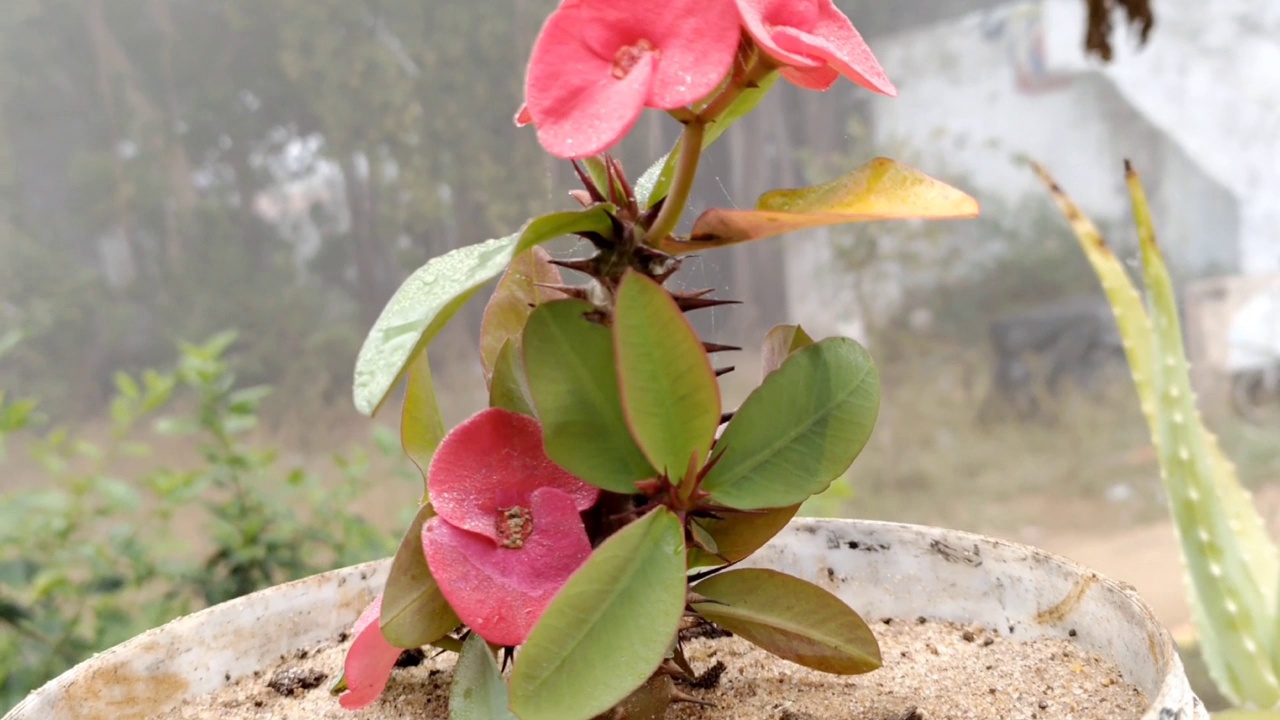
(435, 292)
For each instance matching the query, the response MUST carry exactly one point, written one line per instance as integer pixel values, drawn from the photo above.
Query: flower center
(628, 55)
(514, 525)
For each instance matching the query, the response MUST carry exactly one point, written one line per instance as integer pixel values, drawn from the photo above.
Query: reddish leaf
(369, 660)
(513, 300)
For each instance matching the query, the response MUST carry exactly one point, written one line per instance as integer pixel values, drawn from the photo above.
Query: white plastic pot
(880, 569)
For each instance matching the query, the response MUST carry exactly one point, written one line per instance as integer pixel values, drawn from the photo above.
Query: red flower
(507, 533)
(598, 63)
(814, 42)
(369, 660)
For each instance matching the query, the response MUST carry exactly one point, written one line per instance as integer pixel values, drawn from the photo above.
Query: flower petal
(492, 461)
(696, 42)
(835, 42)
(818, 78)
(577, 105)
(762, 17)
(804, 34)
(370, 660)
(501, 592)
(579, 97)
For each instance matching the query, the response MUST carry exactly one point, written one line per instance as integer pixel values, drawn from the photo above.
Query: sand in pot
(932, 671)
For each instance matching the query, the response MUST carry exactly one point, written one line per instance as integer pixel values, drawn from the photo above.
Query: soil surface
(931, 671)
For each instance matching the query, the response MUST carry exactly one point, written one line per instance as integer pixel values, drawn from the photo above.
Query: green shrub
(88, 559)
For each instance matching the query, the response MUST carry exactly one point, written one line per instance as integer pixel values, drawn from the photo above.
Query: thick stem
(681, 184)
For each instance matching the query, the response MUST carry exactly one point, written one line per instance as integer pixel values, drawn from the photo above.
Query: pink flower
(508, 530)
(598, 63)
(814, 42)
(369, 660)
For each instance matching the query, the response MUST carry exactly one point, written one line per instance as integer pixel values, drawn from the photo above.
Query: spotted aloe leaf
(433, 294)
(880, 190)
(1231, 565)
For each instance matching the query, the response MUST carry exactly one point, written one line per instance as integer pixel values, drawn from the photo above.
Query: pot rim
(353, 587)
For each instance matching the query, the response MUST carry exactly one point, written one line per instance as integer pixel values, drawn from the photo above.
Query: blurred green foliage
(88, 559)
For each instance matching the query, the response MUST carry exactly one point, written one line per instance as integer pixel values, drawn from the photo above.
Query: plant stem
(681, 184)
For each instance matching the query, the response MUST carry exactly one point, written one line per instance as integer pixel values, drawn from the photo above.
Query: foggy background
(174, 169)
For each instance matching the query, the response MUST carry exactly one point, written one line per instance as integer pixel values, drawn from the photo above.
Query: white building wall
(979, 94)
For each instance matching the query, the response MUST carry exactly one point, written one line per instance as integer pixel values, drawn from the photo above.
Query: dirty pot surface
(880, 569)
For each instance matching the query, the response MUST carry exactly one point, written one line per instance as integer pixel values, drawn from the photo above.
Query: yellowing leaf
(880, 190)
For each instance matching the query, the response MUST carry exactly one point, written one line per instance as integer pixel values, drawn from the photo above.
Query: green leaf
(478, 691)
(598, 171)
(436, 291)
(655, 183)
(569, 363)
(508, 388)
(1246, 715)
(414, 612)
(518, 292)
(608, 628)
(779, 343)
(799, 430)
(791, 618)
(670, 396)
(1230, 562)
(421, 427)
(737, 535)
(702, 539)
(880, 190)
